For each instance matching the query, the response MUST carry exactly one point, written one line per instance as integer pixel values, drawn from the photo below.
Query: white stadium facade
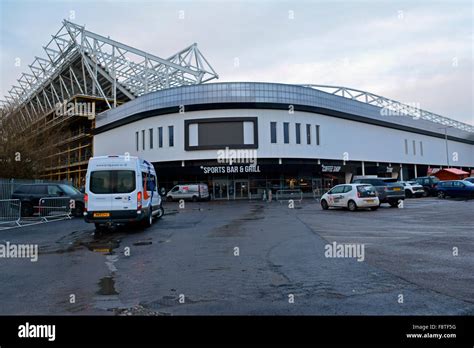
(303, 137)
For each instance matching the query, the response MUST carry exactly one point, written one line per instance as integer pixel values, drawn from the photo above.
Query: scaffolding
(81, 75)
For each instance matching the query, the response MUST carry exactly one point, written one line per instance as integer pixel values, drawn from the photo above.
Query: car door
(337, 195)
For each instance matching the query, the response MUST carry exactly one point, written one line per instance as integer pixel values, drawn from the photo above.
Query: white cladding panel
(338, 138)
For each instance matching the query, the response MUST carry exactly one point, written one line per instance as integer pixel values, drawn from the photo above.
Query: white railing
(10, 212)
(55, 208)
(286, 195)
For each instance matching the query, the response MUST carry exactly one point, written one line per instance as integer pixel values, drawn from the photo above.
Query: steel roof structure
(394, 106)
(80, 62)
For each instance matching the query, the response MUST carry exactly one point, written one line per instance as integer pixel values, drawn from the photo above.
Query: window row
(286, 133)
(413, 147)
(141, 140)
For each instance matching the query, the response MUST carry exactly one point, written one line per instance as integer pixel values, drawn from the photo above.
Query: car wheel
(195, 199)
(352, 206)
(393, 204)
(324, 205)
(408, 193)
(441, 195)
(78, 211)
(373, 208)
(27, 209)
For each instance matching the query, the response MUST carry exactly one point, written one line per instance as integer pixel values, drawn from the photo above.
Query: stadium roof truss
(393, 106)
(80, 62)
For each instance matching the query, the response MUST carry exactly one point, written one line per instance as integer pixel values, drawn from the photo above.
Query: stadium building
(245, 137)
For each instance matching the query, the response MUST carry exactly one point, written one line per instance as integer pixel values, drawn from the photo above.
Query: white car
(351, 196)
(413, 189)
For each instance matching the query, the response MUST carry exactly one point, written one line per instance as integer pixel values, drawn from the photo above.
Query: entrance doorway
(241, 189)
(221, 189)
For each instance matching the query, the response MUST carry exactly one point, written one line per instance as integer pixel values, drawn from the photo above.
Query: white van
(192, 192)
(120, 190)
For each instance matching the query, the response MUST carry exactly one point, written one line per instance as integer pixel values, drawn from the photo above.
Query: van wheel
(352, 206)
(149, 219)
(324, 205)
(161, 212)
(195, 199)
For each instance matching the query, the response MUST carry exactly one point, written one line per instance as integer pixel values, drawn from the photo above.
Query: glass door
(241, 189)
(221, 189)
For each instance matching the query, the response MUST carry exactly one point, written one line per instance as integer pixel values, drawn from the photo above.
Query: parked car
(121, 190)
(389, 190)
(30, 194)
(455, 188)
(471, 179)
(351, 196)
(429, 184)
(194, 192)
(413, 189)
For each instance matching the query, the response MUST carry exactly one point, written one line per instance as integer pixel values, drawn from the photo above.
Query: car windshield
(70, 190)
(112, 181)
(467, 183)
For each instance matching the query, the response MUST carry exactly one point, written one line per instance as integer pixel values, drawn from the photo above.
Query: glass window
(38, 189)
(347, 188)
(337, 189)
(151, 137)
(308, 134)
(171, 135)
(54, 190)
(70, 190)
(273, 132)
(143, 139)
(406, 147)
(286, 132)
(136, 140)
(317, 134)
(112, 181)
(421, 148)
(298, 133)
(160, 136)
(414, 147)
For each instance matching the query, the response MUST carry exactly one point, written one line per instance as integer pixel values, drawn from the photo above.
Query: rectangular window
(406, 147)
(317, 134)
(137, 141)
(151, 138)
(298, 133)
(414, 147)
(273, 132)
(308, 134)
(160, 136)
(171, 135)
(143, 139)
(421, 148)
(286, 132)
(112, 181)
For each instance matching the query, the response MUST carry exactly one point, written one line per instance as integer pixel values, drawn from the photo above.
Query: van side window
(151, 181)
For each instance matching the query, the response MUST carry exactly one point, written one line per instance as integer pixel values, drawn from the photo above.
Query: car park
(30, 195)
(389, 190)
(429, 184)
(455, 188)
(121, 190)
(351, 196)
(413, 189)
(193, 192)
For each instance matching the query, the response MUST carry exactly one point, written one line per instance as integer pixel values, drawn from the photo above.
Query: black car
(429, 183)
(30, 194)
(388, 190)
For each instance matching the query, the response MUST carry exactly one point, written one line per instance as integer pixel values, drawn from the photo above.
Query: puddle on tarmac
(107, 286)
(102, 246)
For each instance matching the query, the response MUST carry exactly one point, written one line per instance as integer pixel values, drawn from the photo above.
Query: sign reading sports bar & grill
(231, 169)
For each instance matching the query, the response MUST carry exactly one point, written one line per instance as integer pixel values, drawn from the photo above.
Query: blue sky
(412, 51)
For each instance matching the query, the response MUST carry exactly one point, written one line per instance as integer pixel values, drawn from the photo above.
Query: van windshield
(112, 181)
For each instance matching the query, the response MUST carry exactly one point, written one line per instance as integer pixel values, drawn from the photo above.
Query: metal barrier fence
(55, 208)
(10, 212)
(318, 193)
(285, 195)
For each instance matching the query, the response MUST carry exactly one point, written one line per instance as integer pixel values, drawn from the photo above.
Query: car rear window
(112, 181)
(366, 190)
